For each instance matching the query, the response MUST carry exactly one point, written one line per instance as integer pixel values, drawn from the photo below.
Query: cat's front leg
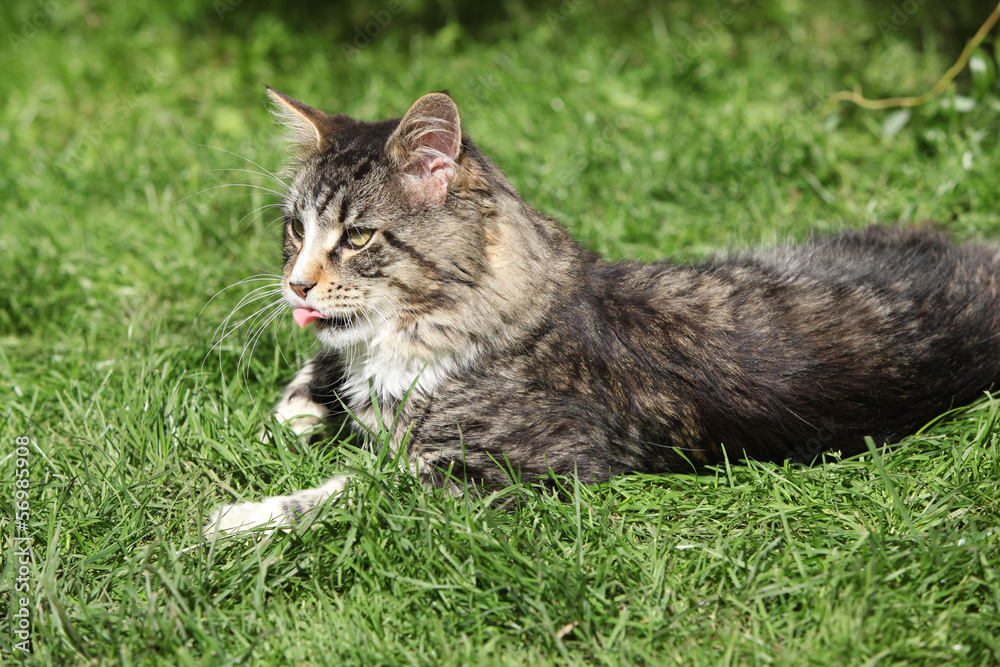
(277, 512)
(308, 400)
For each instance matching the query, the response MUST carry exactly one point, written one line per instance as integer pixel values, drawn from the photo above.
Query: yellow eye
(357, 237)
(298, 229)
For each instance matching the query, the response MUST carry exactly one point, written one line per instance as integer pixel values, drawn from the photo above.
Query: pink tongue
(305, 316)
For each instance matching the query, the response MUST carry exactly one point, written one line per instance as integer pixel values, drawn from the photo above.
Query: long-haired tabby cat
(493, 343)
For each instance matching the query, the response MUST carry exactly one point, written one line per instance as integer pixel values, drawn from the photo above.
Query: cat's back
(884, 293)
(882, 329)
(909, 282)
(915, 259)
(890, 270)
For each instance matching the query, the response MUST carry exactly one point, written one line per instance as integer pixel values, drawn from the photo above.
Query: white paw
(276, 512)
(304, 427)
(301, 415)
(230, 519)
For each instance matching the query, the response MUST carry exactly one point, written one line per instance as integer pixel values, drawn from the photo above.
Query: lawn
(654, 131)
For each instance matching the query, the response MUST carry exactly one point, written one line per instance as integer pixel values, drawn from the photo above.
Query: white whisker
(261, 321)
(244, 158)
(230, 185)
(263, 174)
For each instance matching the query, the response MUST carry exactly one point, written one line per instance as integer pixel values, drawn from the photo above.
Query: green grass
(652, 130)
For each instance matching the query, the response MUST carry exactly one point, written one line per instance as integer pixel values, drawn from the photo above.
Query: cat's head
(383, 228)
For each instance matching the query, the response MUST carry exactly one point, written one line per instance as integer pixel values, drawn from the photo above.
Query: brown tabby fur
(517, 351)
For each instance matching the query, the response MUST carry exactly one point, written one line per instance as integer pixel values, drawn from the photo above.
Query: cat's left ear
(311, 129)
(426, 147)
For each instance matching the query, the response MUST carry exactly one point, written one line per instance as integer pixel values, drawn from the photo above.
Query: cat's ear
(426, 147)
(312, 129)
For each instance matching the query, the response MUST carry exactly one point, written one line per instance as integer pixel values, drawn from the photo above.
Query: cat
(494, 346)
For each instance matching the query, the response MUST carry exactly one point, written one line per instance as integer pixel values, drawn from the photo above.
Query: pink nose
(301, 288)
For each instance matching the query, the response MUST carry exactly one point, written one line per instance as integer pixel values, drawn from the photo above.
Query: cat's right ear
(312, 130)
(426, 148)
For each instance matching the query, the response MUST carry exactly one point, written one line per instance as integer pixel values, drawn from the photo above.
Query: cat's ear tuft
(311, 129)
(426, 147)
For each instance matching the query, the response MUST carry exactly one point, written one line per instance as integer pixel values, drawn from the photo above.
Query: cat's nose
(301, 288)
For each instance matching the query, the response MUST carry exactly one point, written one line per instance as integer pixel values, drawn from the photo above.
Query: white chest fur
(392, 373)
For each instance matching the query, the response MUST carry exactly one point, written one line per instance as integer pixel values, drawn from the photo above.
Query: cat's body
(493, 343)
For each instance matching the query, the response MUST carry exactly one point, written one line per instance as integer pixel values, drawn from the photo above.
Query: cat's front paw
(276, 512)
(230, 519)
(299, 412)
(309, 429)
(305, 418)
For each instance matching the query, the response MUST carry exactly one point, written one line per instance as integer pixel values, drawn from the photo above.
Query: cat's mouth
(335, 322)
(306, 316)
